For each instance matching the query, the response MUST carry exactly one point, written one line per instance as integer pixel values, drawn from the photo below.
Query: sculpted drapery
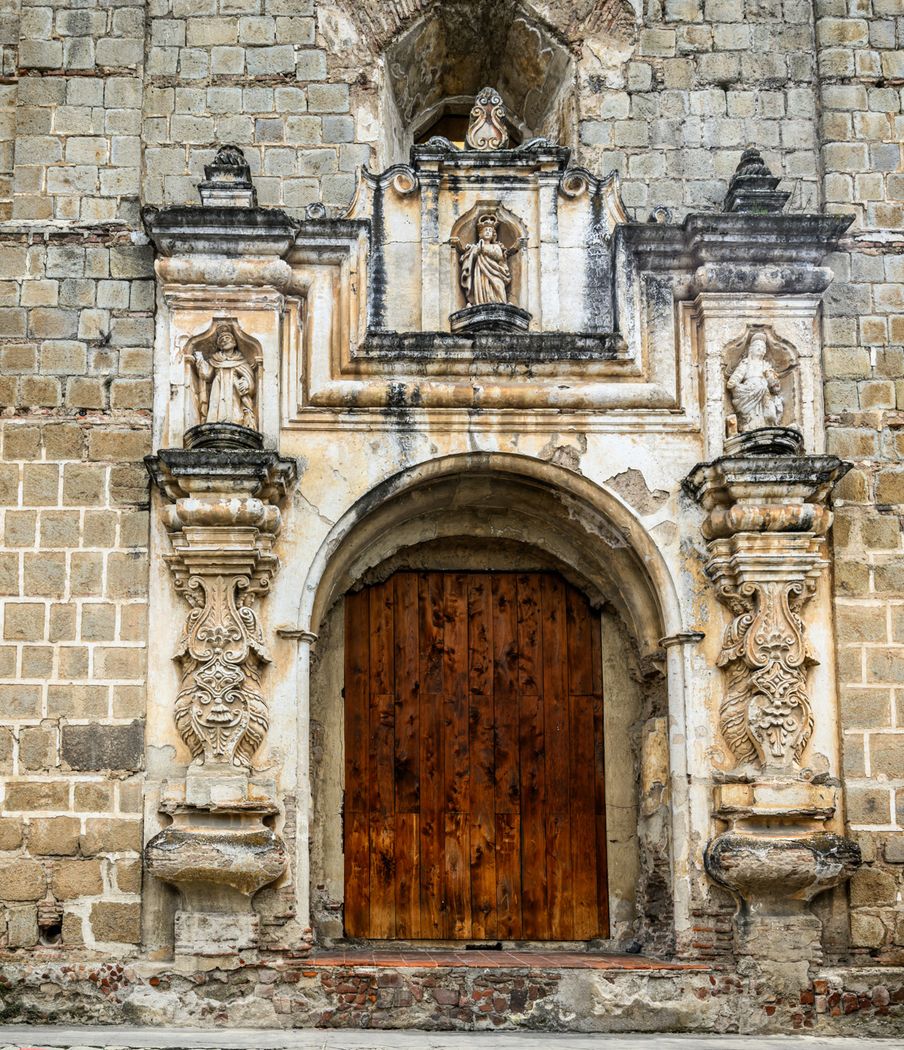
(485, 273)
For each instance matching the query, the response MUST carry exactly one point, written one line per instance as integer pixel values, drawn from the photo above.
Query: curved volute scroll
(767, 517)
(222, 514)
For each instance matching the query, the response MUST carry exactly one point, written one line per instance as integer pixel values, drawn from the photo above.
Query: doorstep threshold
(486, 959)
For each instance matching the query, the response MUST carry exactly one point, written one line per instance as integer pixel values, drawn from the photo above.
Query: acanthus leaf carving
(766, 717)
(223, 519)
(220, 711)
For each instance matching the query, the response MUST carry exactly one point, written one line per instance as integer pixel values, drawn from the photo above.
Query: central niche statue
(485, 273)
(226, 381)
(755, 389)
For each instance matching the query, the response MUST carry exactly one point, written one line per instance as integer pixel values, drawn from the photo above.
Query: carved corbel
(766, 519)
(223, 519)
(222, 515)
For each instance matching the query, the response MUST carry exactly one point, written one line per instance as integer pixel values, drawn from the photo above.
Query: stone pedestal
(219, 850)
(765, 526)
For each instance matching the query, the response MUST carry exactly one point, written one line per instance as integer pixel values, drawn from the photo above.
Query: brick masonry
(107, 107)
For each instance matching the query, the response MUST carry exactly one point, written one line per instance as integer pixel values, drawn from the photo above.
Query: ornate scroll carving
(766, 717)
(766, 516)
(487, 129)
(223, 520)
(220, 711)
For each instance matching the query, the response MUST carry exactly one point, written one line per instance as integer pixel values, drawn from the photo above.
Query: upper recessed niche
(436, 67)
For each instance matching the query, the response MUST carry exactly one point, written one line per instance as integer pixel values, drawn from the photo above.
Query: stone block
(867, 931)
(93, 797)
(37, 747)
(11, 833)
(54, 836)
(872, 887)
(128, 875)
(95, 747)
(328, 98)
(45, 574)
(115, 922)
(25, 622)
(110, 835)
(21, 880)
(22, 926)
(76, 878)
(83, 484)
(77, 701)
(127, 575)
(20, 526)
(887, 750)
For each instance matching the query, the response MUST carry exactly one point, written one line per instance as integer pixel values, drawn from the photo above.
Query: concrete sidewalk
(99, 1038)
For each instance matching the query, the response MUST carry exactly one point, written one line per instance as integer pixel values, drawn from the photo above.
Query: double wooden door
(474, 788)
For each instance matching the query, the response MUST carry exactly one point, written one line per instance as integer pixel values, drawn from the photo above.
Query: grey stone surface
(104, 747)
(22, 1038)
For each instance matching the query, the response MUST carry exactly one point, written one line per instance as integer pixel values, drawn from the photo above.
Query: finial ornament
(487, 130)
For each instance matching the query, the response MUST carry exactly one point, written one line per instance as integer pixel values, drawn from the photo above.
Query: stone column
(765, 527)
(222, 516)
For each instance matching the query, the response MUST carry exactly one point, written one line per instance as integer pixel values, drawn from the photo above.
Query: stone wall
(861, 66)
(76, 328)
(112, 107)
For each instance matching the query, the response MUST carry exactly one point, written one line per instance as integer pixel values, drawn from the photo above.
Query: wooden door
(474, 789)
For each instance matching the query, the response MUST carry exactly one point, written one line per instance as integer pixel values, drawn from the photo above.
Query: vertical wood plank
(457, 881)
(407, 687)
(357, 874)
(600, 777)
(456, 758)
(382, 876)
(357, 698)
(559, 876)
(505, 693)
(407, 878)
(534, 898)
(509, 925)
(430, 709)
(381, 773)
(456, 771)
(482, 758)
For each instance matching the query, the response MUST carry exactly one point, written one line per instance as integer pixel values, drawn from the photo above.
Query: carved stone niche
(222, 515)
(766, 522)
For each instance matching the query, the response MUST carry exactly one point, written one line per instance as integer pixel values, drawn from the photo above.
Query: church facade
(451, 500)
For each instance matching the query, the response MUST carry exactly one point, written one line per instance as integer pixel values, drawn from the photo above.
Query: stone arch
(585, 532)
(430, 58)
(575, 520)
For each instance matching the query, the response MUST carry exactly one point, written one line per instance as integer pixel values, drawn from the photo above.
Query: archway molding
(586, 527)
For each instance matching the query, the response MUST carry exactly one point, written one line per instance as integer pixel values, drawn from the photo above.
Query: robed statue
(755, 389)
(485, 272)
(226, 382)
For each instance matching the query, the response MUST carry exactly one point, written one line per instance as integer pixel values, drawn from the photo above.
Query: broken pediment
(457, 229)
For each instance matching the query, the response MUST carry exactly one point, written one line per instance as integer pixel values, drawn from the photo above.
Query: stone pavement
(97, 1038)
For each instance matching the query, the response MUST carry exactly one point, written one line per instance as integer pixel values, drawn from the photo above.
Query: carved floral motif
(487, 129)
(220, 711)
(766, 717)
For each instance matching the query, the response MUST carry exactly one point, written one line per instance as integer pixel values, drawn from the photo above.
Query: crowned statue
(755, 389)
(485, 272)
(226, 382)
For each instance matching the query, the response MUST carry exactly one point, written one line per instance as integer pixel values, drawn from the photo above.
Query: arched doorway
(481, 517)
(474, 759)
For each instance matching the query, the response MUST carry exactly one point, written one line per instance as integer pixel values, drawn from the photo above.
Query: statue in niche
(226, 382)
(485, 272)
(755, 388)
(486, 129)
